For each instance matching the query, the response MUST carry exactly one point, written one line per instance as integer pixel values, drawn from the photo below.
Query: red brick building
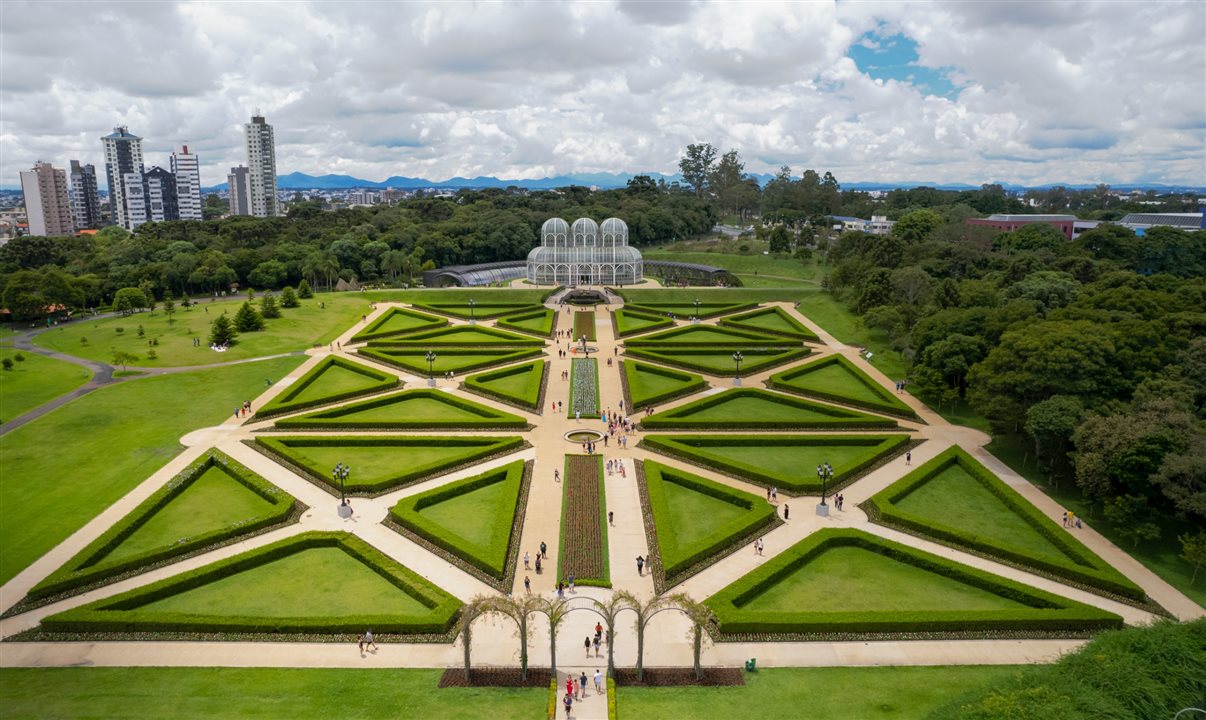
(1063, 223)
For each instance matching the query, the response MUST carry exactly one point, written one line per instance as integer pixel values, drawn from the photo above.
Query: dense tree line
(388, 244)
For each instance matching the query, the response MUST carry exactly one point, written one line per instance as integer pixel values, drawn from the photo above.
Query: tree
(247, 319)
(726, 180)
(645, 610)
(916, 226)
(696, 166)
(128, 300)
(148, 291)
(303, 290)
(123, 358)
(1132, 518)
(269, 308)
(222, 331)
(1047, 289)
(1030, 237)
(289, 297)
(700, 616)
(169, 306)
(779, 240)
(1052, 422)
(1193, 551)
(31, 293)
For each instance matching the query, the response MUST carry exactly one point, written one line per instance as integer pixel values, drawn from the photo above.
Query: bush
(289, 298)
(19, 357)
(119, 330)
(89, 567)
(303, 290)
(7, 363)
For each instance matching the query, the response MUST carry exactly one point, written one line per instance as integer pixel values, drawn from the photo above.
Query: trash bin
(751, 665)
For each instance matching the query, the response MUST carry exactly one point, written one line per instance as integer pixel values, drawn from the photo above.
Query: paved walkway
(667, 641)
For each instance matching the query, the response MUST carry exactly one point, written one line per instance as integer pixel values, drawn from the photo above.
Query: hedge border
(371, 331)
(604, 581)
(710, 309)
(315, 421)
(660, 421)
(1071, 617)
(77, 573)
(481, 310)
(660, 444)
(691, 389)
(505, 322)
(661, 323)
(773, 358)
(277, 406)
(881, 508)
(741, 339)
(267, 446)
(470, 384)
(737, 321)
(95, 617)
(782, 381)
(382, 356)
(431, 338)
(717, 550)
(506, 581)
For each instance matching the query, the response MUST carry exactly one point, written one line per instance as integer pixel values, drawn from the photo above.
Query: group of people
(616, 466)
(575, 688)
(244, 410)
(1071, 519)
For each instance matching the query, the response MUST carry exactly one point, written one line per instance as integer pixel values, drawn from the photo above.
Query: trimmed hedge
(628, 369)
(802, 482)
(481, 310)
(679, 417)
(491, 559)
(375, 331)
(738, 339)
(681, 357)
(120, 613)
(88, 567)
(283, 402)
(676, 559)
(432, 338)
(1083, 565)
(532, 393)
(741, 322)
(334, 418)
(278, 448)
(547, 325)
(891, 404)
(490, 357)
(619, 319)
(1047, 613)
(706, 310)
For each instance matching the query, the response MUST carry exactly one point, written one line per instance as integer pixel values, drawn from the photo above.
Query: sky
(1016, 91)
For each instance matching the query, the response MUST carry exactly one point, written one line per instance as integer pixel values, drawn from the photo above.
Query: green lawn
(269, 693)
(852, 579)
(540, 322)
(779, 267)
(297, 329)
(1161, 556)
(398, 321)
(838, 379)
(751, 408)
(773, 281)
(469, 515)
(694, 515)
(835, 693)
(37, 379)
(650, 384)
(336, 380)
(520, 384)
(315, 582)
(772, 319)
(376, 465)
(460, 336)
(409, 408)
(64, 468)
(720, 361)
(456, 360)
(212, 501)
(632, 321)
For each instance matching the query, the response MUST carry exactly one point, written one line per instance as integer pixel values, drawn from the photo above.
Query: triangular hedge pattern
(480, 310)
(455, 360)
(741, 408)
(332, 379)
(398, 321)
(684, 310)
(838, 379)
(646, 384)
(719, 361)
(461, 336)
(409, 409)
(711, 335)
(773, 319)
(520, 385)
(627, 321)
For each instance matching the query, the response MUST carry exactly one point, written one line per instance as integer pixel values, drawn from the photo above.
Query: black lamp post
(431, 358)
(737, 358)
(824, 474)
(697, 303)
(340, 473)
(472, 319)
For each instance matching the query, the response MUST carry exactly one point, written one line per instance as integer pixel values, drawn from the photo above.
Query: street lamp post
(340, 474)
(431, 358)
(472, 319)
(697, 304)
(737, 358)
(824, 474)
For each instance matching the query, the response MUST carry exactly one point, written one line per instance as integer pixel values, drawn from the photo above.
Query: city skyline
(1019, 93)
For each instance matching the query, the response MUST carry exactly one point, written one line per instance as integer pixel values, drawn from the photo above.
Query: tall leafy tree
(696, 166)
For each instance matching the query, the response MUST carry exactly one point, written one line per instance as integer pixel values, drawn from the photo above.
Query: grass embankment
(253, 693)
(36, 380)
(64, 468)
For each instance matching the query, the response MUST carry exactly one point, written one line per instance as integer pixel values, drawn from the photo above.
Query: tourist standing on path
(786, 511)
(527, 584)
(909, 458)
(598, 681)
(586, 645)
(640, 566)
(568, 701)
(582, 681)
(527, 561)
(544, 549)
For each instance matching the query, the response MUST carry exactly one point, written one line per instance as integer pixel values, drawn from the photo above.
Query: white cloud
(1048, 91)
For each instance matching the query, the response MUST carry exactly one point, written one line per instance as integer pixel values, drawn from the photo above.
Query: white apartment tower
(123, 157)
(47, 204)
(186, 168)
(261, 165)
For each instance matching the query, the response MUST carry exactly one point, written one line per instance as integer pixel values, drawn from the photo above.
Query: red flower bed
(583, 529)
(584, 325)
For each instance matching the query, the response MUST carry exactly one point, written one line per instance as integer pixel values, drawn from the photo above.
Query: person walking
(527, 561)
(640, 566)
(577, 690)
(598, 681)
(544, 549)
(368, 640)
(527, 584)
(611, 518)
(596, 642)
(556, 476)
(568, 701)
(571, 582)
(582, 681)
(786, 511)
(586, 645)
(909, 458)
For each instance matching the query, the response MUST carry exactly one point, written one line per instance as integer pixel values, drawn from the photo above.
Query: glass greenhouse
(585, 254)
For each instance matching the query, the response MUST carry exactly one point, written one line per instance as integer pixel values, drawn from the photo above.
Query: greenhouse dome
(584, 254)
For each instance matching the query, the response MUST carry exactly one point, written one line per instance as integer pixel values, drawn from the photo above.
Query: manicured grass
(1160, 556)
(854, 579)
(483, 308)
(539, 322)
(825, 310)
(426, 408)
(296, 329)
(268, 693)
(520, 384)
(398, 321)
(650, 384)
(838, 379)
(468, 514)
(380, 463)
(211, 501)
(688, 508)
(455, 360)
(316, 582)
(36, 380)
(684, 309)
(584, 325)
(832, 693)
(778, 267)
(719, 361)
(330, 380)
(752, 408)
(64, 468)
(708, 335)
(772, 319)
(460, 336)
(628, 322)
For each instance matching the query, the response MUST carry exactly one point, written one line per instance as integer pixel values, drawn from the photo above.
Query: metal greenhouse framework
(585, 254)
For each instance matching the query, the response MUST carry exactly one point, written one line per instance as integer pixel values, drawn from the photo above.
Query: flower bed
(584, 522)
(584, 388)
(584, 325)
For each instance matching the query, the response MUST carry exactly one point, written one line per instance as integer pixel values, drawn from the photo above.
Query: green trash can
(751, 665)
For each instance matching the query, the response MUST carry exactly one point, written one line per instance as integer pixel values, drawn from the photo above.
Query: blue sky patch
(894, 57)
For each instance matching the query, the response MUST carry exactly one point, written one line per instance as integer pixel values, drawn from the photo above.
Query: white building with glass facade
(584, 254)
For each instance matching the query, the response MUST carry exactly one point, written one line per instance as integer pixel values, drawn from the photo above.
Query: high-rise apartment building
(123, 156)
(261, 165)
(47, 204)
(238, 185)
(160, 188)
(186, 168)
(85, 200)
(134, 200)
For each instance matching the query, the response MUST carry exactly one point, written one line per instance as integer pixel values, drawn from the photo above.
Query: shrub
(19, 357)
(289, 298)
(247, 319)
(7, 363)
(303, 290)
